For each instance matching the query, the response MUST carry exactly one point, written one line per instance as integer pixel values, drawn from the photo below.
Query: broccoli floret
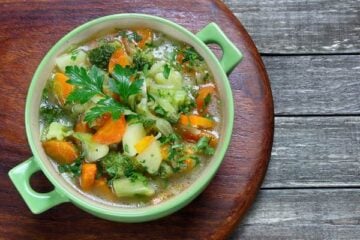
(117, 165)
(100, 56)
(142, 59)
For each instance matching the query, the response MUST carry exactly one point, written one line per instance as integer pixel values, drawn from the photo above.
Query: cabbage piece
(126, 187)
(58, 131)
(93, 150)
(161, 124)
(79, 59)
(151, 157)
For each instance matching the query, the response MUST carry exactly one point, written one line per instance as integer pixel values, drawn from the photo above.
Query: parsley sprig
(90, 83)
(105, 105)
(121, 83)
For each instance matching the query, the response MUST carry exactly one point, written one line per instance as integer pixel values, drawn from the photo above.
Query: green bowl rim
(153, 211)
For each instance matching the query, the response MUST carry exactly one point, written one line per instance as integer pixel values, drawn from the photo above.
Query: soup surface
(130, 117)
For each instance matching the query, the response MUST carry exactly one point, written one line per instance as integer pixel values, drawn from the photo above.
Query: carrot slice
(146, 36)
(61, 88)
(61, 151)
(111, 132)
(196, 121)
(88, 174)
(119, 57)
(200, 99)
(144, 143)
(100, 121)
(82, 127)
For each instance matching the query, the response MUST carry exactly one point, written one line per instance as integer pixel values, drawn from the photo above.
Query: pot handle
(37, 202)
(231, 54)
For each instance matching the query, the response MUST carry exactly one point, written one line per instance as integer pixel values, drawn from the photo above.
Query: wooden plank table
(311, 50)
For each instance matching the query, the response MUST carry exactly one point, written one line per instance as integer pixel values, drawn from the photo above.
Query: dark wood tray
(28, 30)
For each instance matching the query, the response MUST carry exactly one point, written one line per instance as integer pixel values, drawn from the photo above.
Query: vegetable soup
(131, 117)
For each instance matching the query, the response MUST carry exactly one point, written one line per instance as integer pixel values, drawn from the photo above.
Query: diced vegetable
(144, 143)
(124, 187)
(61, 151)
(88, 174)
(196, 121)
(161, 124)
(151, 157)
(62, 89)
(146, 36)
(133, 134)
(119, 57)
(93, 150)
(165, 171)
(111, 132)
(82, 127)
(100, 56)
(203, 95)
(58, 131)
(79, 59)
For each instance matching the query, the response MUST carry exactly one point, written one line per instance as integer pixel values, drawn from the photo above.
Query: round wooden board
(29, 29)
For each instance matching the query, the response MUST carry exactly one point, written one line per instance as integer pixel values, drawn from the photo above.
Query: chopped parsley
(202, 146)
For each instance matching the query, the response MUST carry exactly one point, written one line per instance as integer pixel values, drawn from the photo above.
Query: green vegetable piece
(115, 165)
(202, 146)
(100, 56)
(121, 83)
(74, 168)
(166, 71)
(93, 150)
(106, 105)
(58, 131)
(125, 187)
(88, 83)
(76, 57)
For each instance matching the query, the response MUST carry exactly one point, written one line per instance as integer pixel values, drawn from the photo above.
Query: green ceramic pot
(63, 191)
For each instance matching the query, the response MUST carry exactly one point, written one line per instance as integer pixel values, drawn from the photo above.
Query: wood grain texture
(299, 27)
(303, 214)
(312, 85)
(315, 85)
(28, 29)
(315, 152)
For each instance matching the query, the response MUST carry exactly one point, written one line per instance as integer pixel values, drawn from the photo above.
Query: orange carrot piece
(146, 36)
(200, 99)
(190, 163)
(61, 88)
(88, 174)
(100, 121)
(119, 57)
(61, 151)
(102, 189)
(111, 132)
(191, 134)
(144, 143)
(196, 121)
(82, 127)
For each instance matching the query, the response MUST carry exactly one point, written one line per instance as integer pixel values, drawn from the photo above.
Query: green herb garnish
(88, 83)
(166, 71)
(121, 83)
(100, 56)
(202, 146)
